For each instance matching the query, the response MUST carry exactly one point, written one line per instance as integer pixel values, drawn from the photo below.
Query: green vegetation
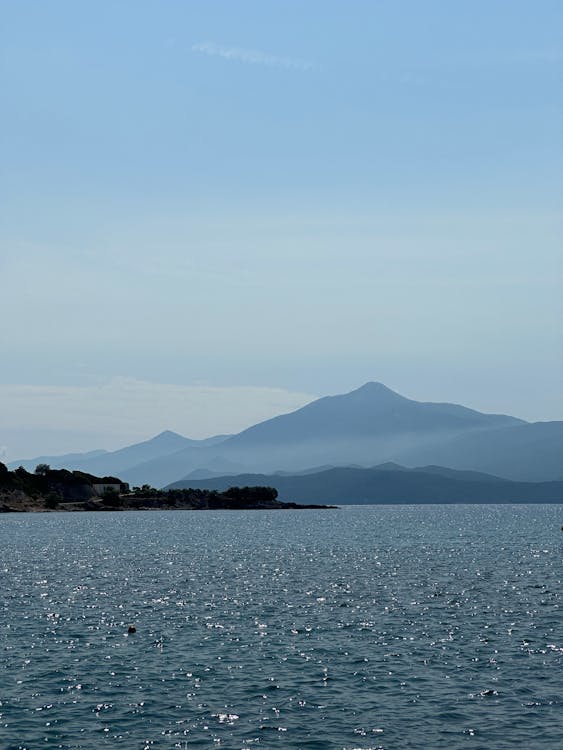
(201, 499)
(59, 490)
(48, 489)
(52, 500)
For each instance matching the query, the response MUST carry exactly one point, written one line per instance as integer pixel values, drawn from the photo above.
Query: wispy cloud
(253, 57)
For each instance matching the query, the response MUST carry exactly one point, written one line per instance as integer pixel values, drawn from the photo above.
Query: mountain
(369, 426)
(525, 452)
(58, 462)
(162, 470)
(124, 459)
(378, 485)
(370, 411)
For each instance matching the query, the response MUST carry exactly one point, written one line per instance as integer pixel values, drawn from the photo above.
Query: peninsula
(55, 490)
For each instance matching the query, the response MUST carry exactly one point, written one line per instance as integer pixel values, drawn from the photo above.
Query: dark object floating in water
(131, 629)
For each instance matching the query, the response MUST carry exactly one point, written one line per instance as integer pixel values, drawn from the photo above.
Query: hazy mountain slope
(532, 452)
(370, 410)
(119, 461)
(160, 471)
(370, 425)
(444, 471)
(367, 426)
(364, 486)
(55, 462)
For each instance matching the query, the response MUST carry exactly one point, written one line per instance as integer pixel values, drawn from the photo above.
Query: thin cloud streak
(253, 57)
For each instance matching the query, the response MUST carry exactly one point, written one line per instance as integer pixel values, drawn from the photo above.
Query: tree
(251, 494)
(111, 498)
(42, 469)
(52, 500)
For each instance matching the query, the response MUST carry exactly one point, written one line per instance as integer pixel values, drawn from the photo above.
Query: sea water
(361, 628)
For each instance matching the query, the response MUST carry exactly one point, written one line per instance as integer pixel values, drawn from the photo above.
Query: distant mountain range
(124, 459)
(389, 484)
(367, 427)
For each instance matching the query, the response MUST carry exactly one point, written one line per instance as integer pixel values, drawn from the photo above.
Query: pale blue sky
(298, 196)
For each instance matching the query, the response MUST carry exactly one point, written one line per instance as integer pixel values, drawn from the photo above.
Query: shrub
(112, 499)
(52, 500)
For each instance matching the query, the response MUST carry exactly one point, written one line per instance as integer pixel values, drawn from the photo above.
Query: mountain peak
(168, 435)
(375, 389)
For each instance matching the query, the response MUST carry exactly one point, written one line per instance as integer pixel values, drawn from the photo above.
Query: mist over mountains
(367, 427)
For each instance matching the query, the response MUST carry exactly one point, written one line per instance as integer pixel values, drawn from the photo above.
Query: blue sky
(292, 197)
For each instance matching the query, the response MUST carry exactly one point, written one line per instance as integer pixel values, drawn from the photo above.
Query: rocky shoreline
(58, 490)
(37, 505)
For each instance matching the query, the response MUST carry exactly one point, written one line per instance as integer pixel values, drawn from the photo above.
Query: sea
(362, 628)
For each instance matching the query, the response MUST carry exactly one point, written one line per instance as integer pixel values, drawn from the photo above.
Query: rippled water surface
(362, 628)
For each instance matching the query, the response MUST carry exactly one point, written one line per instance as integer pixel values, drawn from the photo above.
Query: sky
(214, 212)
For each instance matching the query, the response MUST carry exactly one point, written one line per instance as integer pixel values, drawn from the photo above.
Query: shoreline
(93, 506)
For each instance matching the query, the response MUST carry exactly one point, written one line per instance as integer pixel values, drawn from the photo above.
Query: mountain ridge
(352, 486)
(122, 459)
(368, 426)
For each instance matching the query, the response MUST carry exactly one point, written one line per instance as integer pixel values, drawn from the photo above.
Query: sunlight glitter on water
(383, 628)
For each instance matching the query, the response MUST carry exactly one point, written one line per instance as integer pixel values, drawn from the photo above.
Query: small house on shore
(109, 484)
